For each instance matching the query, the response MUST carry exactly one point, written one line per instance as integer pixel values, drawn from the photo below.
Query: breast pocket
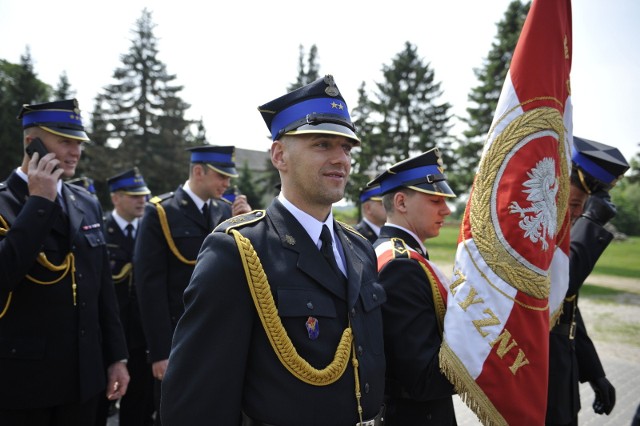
(95, 238)
(188, 240)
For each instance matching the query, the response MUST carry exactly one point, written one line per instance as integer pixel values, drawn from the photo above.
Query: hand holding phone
(37, 145)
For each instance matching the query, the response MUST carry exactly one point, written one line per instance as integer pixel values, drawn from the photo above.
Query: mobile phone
(37, 145)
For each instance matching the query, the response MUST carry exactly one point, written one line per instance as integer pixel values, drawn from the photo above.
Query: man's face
(375, 212)
(314, 169)
(577, 199)
(425, 213)
(214, 183)
(128, 206)
(67, 151)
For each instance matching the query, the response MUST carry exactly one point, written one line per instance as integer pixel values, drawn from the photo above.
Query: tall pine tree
(406, 117)
(484, 97)
(139, 120)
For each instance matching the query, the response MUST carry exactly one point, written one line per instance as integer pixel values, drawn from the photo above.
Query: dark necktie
(129, 237)
(327, 250)
(205, 213)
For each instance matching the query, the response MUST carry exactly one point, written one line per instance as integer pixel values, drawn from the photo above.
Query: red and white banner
(512, 263)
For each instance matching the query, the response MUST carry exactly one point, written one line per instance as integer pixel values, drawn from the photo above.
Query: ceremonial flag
(514, 240)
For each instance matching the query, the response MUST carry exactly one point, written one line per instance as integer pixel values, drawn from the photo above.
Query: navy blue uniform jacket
(418, 393)
(160, 276)
(222, 362)
(52, 352)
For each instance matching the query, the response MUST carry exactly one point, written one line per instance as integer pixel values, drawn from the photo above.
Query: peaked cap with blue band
(423, 173)
(317, 107)
(61, 118)
(373, 193)
(599, 166)
(130, 182)
(84, 182)
(219, 158)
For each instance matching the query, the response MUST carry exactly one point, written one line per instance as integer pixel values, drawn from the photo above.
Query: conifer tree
(484, 97)
(142, 115)
(412, 120)
(19, 85)
(405, 118)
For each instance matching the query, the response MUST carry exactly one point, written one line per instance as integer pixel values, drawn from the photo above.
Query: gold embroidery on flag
(484, 233)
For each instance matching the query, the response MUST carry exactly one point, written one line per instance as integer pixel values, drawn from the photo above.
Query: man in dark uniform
(414, 193)
(280, 328)
(572, 356)
(171, 233)
(129, 193)
(59, 324)
(373, 214)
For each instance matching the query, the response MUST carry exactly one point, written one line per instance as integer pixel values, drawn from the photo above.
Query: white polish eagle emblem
(539, 221)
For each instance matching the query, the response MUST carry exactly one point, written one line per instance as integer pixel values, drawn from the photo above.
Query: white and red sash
(396, 248)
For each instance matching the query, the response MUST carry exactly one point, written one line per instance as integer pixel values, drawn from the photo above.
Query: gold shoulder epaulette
(240, 221)
(351, 229)
(160, 198)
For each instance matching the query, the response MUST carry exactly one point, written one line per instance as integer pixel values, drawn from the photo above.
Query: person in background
(414, 194)
(373, 214)
(59, 323)
(170, 235)
(129, 193)
(282, 322)
(84, 182)
(596, 168)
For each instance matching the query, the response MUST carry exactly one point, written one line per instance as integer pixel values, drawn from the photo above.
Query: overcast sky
(233, 56)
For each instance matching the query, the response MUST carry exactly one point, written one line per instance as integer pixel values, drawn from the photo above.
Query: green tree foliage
(246, 185)
(142, 115)
(63, 89)
(307, 74)
(19, 85)
(405, 118)
(626, 196)
(484, 97)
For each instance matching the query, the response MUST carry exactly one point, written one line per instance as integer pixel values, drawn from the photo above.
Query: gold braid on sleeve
(280, 341)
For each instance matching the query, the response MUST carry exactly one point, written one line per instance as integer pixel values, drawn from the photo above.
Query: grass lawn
(621, 258)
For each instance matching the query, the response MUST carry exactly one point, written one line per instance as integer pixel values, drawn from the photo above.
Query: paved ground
(614, 326)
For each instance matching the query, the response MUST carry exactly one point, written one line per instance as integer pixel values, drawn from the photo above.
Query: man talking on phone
(59, 323)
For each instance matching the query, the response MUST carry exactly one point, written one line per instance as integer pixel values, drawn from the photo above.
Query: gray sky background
(233, 56)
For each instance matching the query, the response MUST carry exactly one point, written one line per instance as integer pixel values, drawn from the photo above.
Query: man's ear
(278, 155)
(399, 199)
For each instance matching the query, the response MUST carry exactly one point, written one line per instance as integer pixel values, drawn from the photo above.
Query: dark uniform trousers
(52, 351)
(136, 407)
(417, 392)
(364, 228)
(220, 347)
(160, 276)
(572, 354)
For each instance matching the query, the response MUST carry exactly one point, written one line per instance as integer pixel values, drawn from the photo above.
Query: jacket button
(14, 351)
(82, 332)
(366, 387)
(353, 312)
(375, 297)
(309, 305)
(360, 350)
(40, 212)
